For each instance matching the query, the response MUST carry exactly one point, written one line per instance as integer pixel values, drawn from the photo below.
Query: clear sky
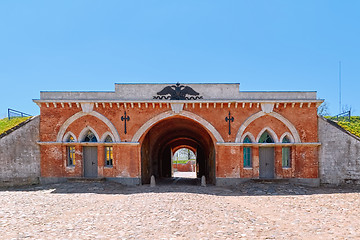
(263, 45)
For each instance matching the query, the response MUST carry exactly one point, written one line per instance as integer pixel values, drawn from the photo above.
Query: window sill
(286, 167)
(108, 166)
(247, 168)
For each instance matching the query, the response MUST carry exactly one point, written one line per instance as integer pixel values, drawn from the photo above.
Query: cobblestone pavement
(111, 211)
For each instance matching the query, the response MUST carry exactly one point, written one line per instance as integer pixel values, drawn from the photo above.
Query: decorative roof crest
(178, 92)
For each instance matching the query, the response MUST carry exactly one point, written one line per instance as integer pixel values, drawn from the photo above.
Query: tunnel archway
(159, 143)
(183, 162)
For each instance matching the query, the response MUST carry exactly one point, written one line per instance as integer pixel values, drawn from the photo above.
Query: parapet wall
(339, 156)
(20, 155)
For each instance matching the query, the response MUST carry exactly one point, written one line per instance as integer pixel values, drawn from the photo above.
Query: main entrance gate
(165, 137)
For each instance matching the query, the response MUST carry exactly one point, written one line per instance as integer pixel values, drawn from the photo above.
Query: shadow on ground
(187, 185)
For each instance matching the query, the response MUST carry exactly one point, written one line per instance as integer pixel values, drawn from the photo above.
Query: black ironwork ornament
(125, 119)
(178, 92)
(229, 119)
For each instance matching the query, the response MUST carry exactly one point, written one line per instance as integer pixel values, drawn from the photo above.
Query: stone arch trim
(78, 115)
(105, 135)
(67, 135)
(185, 146)
(248, 134)
(286, 134)
(278, 116)
(83, 133)
(146, 126)
(270, 131)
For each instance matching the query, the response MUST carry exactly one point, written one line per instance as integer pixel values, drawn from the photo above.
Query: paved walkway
(185, 174)
(111, 211)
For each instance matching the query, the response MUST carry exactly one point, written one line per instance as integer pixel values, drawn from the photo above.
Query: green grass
(182, 161)
(6, 124)
(353, 126)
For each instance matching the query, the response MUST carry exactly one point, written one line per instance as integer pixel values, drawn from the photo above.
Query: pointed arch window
(108, 152)
(286, 154)
(266, 138)
(90, 137)
(247, 153)
(70, 152)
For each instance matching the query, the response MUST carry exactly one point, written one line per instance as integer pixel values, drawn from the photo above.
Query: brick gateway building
(132, 133)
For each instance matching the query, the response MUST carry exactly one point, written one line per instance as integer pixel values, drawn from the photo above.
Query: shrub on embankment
(353, 126)
(6, 124)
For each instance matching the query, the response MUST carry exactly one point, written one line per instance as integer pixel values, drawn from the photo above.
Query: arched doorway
(170, 134)
(183, 162)
(266, 157)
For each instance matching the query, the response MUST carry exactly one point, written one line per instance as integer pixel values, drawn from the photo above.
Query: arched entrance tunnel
(167, 136)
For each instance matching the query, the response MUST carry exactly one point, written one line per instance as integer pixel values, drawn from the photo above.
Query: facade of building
(132, 133)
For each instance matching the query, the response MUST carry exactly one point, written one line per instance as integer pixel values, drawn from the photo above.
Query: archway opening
(168, 136)
(183, 163)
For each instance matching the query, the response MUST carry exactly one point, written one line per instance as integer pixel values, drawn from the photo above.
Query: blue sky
(263, 45)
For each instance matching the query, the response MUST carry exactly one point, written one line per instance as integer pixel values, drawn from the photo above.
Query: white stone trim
(105, 135)
(146, 126)
(66, 136)
(286, 134)
(267, 107)
(178, 107)
(270, 131)
(276, 115)
(83, 133)
(87, 107)
(248, 134)
(78, 115)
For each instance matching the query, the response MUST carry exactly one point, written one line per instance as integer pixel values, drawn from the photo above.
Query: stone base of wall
(231, 181)
(10, 182)
(51, 180)
(126, 181)
(310, 182)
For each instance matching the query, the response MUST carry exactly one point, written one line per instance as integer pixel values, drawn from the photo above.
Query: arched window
(108, 139)
(247, 153)
(108, 152)
(286, 154)
(70, 152)
(266, 138)
(90, 137)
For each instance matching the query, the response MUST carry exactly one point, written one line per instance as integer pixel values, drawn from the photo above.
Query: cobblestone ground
(111, 211)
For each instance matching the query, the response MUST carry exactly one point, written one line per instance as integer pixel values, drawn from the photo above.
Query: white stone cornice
(224, 101)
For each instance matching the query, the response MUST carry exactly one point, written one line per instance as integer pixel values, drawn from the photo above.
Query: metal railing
(14, 113)
(345, 117)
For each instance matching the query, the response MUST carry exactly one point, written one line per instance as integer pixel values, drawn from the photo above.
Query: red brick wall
(229, 159)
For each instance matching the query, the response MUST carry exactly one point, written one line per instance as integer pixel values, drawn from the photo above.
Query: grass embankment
(353, 126)
(182, 161)
(6, 124)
